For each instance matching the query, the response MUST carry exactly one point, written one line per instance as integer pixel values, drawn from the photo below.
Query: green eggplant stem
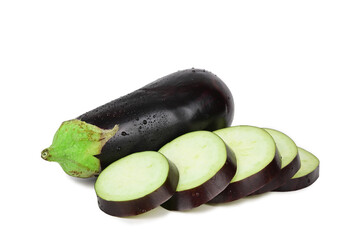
(45, 154)
(75, 145)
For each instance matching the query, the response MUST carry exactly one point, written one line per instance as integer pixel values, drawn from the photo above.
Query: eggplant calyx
(75, 145)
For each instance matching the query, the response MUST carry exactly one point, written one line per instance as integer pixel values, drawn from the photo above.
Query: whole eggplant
(145, 119)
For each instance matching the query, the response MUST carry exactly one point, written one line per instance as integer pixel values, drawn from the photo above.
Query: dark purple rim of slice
(146, 203)
(286, 173)
(301, 182)
(244, 187)
(191, 198)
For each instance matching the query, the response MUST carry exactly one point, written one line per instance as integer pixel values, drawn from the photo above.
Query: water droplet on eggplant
(196, 194)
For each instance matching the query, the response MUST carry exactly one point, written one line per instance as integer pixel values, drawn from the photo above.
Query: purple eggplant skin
(146, 203)
(247, 186)
(301, 182)
(286, 173)
(191, 198)
(155, 114)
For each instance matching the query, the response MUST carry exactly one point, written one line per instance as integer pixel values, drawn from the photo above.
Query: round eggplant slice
(136, 184)
(290, 160)
(308, 173)
(258, 161)
(205, 164)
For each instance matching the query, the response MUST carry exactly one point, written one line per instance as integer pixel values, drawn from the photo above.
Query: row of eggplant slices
(205, 167)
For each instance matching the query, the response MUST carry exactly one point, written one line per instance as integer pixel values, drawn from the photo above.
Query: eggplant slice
(205, 164)
(307, 175)
(290, 160)
(258, 161)
(136, 184)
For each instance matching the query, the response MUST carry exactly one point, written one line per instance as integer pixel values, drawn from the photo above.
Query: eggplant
(136, 184)
(258, 161)
(290, 160)
(206, 166)
(306, 175)
(143, 120)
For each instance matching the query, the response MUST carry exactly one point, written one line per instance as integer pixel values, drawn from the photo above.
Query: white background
(292, 65)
